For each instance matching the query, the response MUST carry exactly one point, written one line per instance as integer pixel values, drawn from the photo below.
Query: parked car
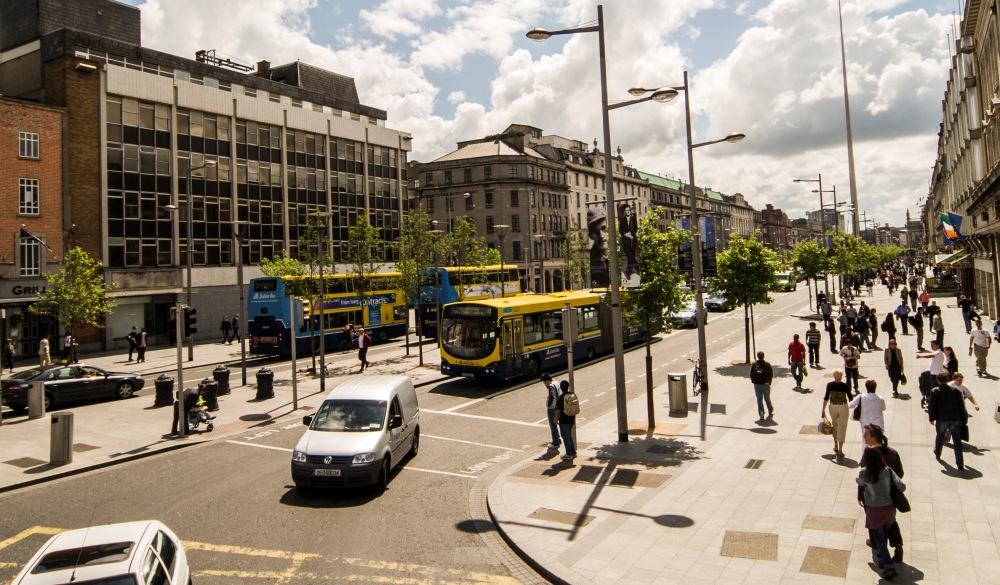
(685, 317)
(65, 384)
(115, 554)
(787, 281)
(718, 303)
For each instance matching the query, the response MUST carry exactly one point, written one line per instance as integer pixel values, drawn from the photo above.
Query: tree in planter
(575, 250)
(659, 294)
(365, 251)
(849, 256)
(810, 260)
(417, 248)
(746, 275)
(465, 248)
(313, 249)
(77, 295)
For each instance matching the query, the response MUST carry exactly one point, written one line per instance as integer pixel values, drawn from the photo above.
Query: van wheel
(383, 477)
(534, 367)
(415, 445)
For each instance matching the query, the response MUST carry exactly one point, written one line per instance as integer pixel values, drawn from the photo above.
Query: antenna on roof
(203, 56)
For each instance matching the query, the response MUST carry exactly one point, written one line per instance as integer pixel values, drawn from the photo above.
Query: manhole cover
(716, 409)
(560, 517)
(753, 464)
(759, 546)
(83, 447)
(845, 525)
(25, 462)
(588, 473)
(826, 561)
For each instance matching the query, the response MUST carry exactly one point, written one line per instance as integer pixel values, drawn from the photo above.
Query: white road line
(261, 446)
(463, 405)
(600, 394)
(471, 442)
(408, 468)
(490, 418)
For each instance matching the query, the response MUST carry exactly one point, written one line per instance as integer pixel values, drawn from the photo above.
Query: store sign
(24, 288)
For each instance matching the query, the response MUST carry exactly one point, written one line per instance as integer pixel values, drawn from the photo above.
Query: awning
(958, 260)
(944, 259)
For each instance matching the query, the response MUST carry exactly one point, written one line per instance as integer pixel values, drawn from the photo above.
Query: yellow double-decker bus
(522, 336)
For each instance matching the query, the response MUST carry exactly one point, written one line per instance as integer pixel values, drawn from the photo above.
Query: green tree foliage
(850, 254)
(810, 260)
(77, 295)
(364, 246)
(282, 265)
(746, 276)
(463, 247)
(417, 248)
(576, 252)
(659, 295)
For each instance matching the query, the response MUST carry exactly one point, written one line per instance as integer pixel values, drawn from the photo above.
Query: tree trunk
(650, 414)
(746, 330)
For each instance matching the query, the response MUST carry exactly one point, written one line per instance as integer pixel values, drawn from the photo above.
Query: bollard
(677, 386)
(164, 391)
(221, 376)
(265, 384)
(211, 394)
(61, 439)
(36, 400)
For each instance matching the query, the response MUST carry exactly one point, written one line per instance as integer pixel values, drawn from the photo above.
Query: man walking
(873, 328)
(965, 303)
(133, 341)
(831, 330)
(226, 327)
(551, 398)
(796, 357)
(851, 356)
(903, 312)
(813, 339)
(364, 342)
(566, 421)
(235, 325)
(946, 411)
(928, 378)
(979, 343)
(918, 327)
(760, 376)
(937, 326)
(44, 355)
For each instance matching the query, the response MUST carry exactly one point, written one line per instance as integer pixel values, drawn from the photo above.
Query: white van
(363, 429)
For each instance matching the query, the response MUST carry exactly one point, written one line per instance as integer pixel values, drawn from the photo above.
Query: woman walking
(8, 355)
(894, 365)
(875, 482)
(875, 439)
(837, 393)
(950, 361)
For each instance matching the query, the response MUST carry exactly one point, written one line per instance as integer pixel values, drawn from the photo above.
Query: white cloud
(456, 97)
(399, 17)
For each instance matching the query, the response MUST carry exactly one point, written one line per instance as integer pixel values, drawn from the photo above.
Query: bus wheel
(534, 367)
(382, 335)
(590, 353)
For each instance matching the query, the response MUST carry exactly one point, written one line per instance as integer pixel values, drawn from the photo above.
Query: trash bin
(164, 391)
(36, 400)
(265, 384)
(211, 394)
(61, 439)
(677, 385)
(221, 375)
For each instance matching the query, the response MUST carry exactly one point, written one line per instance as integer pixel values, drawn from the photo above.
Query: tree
(77, 295)
(659, 294)
(364, 246)
(810, 260)
(465, 248)
(313, 250)
(417, 248)
(575, 250)
(282, 265)
(849, 253)
(746, 274)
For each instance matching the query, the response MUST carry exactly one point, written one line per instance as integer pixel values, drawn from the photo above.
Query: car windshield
(83, 557)
(26, 374)
(350, 416)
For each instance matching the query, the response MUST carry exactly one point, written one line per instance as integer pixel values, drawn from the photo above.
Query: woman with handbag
(950, 361)
(875, 439)
(894, 365)
(868, 408)
(837, 394)
(875, 482)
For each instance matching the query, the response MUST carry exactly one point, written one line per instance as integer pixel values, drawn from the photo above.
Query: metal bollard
(221, 376)
(677, 385)
(265, 384)
(164, 391)
(36, 400)
(61, 439)
(211, 394)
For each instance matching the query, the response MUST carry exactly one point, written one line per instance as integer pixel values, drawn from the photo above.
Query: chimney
(264, 69)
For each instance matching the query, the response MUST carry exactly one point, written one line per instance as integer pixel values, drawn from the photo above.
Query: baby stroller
(198, 415)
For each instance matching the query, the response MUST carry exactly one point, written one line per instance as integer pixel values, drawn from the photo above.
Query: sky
(453, 70)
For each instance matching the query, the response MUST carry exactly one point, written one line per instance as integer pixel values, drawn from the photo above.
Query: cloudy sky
(451, 70)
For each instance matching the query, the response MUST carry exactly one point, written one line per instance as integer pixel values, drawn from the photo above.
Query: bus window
(265, 284)
(588, 319)
(532, 330)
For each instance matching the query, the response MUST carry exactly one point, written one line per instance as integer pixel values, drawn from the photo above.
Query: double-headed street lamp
(321, 249)
(822, 220)
(240, 233)
(696, 271)
(501, 231)
(540, 238)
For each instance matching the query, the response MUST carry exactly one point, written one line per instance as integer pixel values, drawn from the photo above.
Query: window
(514, 199)
(515, 223)
(468, 175)
(428, 178)
(488, 172)
(447, 177)
(27, 145)
(489, 224)
(31, 257)
(517, 250)
(489, 200)
(28, 200)
(469, 203)
(512, 170)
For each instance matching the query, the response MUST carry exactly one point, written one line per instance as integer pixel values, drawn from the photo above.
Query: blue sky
(451, 70)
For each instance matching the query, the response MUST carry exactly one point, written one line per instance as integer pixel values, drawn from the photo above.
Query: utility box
(677, 386)
(36, 400)
(61, 439)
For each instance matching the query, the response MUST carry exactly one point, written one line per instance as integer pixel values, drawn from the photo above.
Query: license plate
(468, 375)
(327, 472)
(270, 340)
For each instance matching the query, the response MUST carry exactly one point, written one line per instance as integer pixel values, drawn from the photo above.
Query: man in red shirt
(796, 357)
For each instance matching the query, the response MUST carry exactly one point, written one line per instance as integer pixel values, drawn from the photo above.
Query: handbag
(857, 412)
(899, 499)
(902, 379)
(825, 427)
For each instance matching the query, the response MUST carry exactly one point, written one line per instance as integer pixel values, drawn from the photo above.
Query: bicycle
(695, 376)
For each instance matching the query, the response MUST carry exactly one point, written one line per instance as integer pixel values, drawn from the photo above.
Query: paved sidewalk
(758, 502)
(111, 432)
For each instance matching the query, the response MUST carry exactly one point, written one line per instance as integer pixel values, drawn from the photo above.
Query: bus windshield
(469, 338)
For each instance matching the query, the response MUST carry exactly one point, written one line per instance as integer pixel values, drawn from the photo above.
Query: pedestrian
(917, 320)
(913, 298)
(133, 341)
(143, 343)
(235, 326)
(761, 375)
(928, 379)
(566, 422)
(957, 382)
(831, 330)
(8, 355)
(965, 304)
(796, 357)
(938, 327)
(875, 482)
(950, 361)
(873, 328)
(894, 365)
(924, 299)
(226, 328)
(852, 315)
(67, 348)
(932, 310)
(861, 330)
(870, 285)
(852, 356)
(903, 312)
(190, 398)
(979, 343)
(889, 326)
(820, 301)
(172, 326)
(946, 411)
(551, 398)
(837, 396)
(872, 406)
(813, 339)
(875, 439)
(825, 309)
(44, 353)
(364, 342)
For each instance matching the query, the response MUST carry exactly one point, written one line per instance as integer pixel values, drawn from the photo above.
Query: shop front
(25, 328)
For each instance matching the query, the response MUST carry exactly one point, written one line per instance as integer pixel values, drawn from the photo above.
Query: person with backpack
(567, 407)
(761, 375)
(551, 397)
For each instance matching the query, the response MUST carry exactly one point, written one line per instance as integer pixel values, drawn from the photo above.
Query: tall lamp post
(847, 117)
(436, 233)
(321, 248)
(541, 262)
(240, 233)
(189, 254)
(822, 222)
(501, 231)
(696, 271)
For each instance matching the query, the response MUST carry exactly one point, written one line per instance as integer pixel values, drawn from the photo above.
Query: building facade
(776, 232)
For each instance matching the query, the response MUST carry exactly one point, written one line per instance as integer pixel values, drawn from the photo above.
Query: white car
(130, 553)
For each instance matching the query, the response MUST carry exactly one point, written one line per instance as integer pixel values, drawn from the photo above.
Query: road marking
(461, 406)
(541, 420)
(600, 394)
(470, 442)
(434, 471)
(29, 532)
(261, 446)
(476, 416)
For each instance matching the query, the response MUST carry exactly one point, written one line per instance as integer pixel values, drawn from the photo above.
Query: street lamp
(541, 262)
(822, 221)
(541, 34)
(696, 240)
(240, 233)
(188, 255)
(501, 230)
(436, 233)
(320, 245)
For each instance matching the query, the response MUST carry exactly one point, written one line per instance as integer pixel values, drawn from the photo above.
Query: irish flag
(951, 223)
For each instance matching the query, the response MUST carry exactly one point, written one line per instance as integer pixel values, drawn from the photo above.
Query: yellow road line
(29, 532)
(254, 552)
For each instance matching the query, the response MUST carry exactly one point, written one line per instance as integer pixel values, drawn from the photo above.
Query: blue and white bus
(443, 285)
(274, 300)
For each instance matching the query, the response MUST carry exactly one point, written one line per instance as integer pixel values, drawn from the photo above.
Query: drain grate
(809, 430)
(753, 464)
(716, 409)
(759, 546)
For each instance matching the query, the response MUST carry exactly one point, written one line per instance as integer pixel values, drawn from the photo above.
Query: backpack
(758, 375)
(571, 404)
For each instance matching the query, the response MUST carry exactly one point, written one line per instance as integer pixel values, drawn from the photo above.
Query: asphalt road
(243, 521)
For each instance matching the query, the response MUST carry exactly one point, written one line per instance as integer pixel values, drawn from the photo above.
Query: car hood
(338, 443)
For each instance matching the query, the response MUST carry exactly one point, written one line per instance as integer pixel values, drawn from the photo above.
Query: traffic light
(189, 321)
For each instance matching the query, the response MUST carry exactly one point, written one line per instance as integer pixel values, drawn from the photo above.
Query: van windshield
(349, 416)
